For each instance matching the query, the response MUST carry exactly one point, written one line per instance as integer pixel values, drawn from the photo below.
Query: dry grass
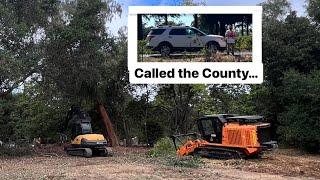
(280, 162)
(218, 57)
(133, 163)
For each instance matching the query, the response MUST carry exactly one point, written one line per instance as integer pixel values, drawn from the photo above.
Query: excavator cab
(81, 126)
(83, 141)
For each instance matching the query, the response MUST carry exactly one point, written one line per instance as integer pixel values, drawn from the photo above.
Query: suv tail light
(149, 37)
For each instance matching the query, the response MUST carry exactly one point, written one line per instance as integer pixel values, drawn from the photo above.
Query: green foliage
(154, 132)
(27, 116)
(313, 10)
(179, 105)
(163, 147)
(275, 9)
(143, 49)
(290, 57)
(37, 117)
(264, 101)
(7, 123)
(78, 62)
(294, 43)
(231, 98)
(244, 43)
(299, 122)
(19, 53)
(80, 54)
(72, 61)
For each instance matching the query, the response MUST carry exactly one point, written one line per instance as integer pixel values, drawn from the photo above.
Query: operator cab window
(207, 126)
(178, 31)
(86, 128)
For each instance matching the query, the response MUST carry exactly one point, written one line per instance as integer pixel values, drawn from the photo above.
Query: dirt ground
(133, 163)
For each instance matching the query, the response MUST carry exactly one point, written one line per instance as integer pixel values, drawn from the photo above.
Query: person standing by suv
(231, 39)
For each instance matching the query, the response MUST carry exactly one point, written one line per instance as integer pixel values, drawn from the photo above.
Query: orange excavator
(226, 136)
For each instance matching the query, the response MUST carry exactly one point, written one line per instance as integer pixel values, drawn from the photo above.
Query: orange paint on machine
(226, 136)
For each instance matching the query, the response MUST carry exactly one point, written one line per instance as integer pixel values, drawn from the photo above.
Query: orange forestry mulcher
(227, 136)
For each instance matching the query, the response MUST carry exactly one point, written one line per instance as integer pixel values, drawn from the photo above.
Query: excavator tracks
(84, 152)
(103, 152)
(87, 152)
(218, 153)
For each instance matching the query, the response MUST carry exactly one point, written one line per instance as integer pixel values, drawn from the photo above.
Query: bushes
(155, 131)
(244, 43)
(163, 147)
(36, 117)
(299, 123)
(142, 49)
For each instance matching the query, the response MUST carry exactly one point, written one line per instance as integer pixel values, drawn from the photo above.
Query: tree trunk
(108, 125)
(126, 133)
(166, 19)
(216, 29)
(223, 29)
(242, 33)
(140, 30)
(196, 23)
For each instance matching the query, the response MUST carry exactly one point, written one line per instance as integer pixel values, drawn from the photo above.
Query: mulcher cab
(227, 136)
(83, 141)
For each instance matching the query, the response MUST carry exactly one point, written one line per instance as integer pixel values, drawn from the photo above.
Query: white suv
(168, 39)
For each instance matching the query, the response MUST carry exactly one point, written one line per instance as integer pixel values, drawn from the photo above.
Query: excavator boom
(108, 126)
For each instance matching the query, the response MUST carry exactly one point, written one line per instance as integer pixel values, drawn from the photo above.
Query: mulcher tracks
(218, 153)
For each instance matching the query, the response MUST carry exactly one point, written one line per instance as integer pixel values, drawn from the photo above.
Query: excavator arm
(108, 126)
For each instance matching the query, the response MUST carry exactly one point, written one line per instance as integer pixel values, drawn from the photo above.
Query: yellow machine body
(88, 137)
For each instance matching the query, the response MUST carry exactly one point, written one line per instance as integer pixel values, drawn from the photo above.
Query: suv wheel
(165, 49)
(212, 47)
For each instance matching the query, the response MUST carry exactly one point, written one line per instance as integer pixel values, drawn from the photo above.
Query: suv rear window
(179, 31)
(156, 31)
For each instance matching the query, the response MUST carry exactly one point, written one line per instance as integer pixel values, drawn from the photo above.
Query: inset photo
(195, 44)
(194, 37)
